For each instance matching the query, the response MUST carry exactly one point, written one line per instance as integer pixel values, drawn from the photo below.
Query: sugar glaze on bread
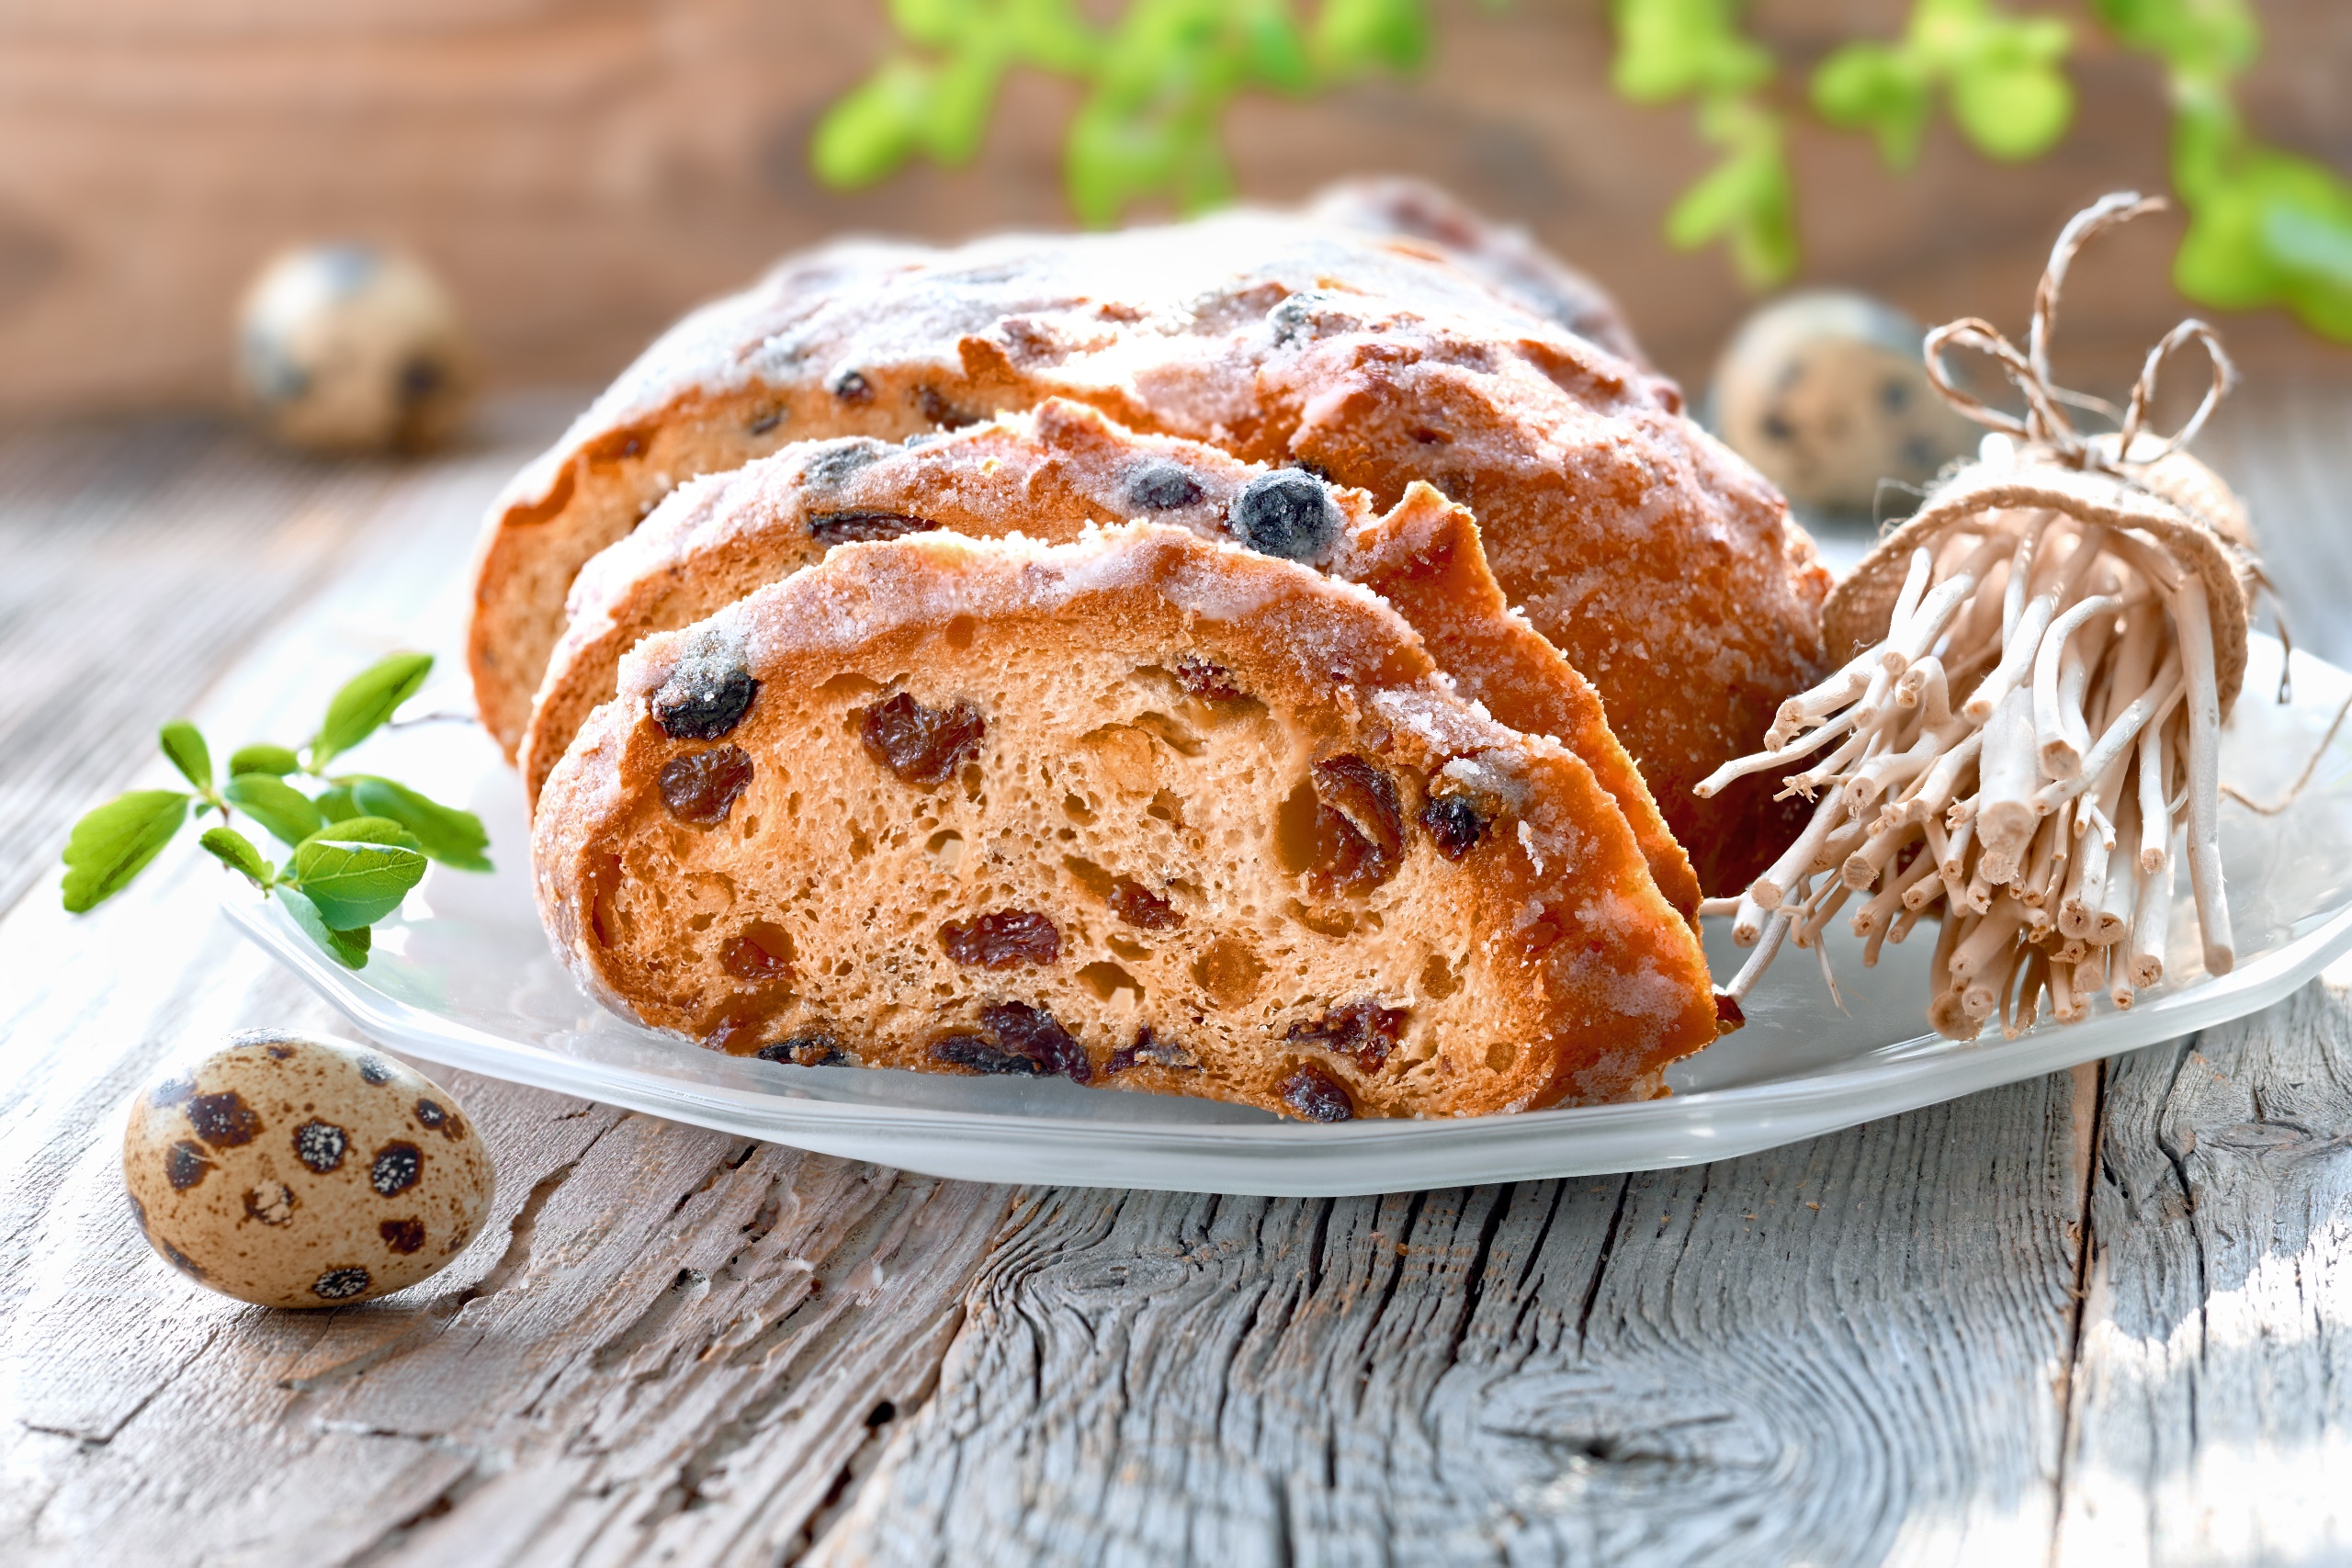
(1147, 811)
(1048, 474)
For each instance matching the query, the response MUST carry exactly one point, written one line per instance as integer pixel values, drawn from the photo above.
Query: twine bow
(2046, 424)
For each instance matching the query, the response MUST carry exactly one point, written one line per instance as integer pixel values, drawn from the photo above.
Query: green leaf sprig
(2266, 227)
(357, 842)
(1157, 80)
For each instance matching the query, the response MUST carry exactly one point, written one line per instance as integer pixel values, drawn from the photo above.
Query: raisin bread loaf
(1142, 810)
(1659, 563)
(1048, 474)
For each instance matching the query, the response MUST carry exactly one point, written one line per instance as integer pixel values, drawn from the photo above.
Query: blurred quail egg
(352, 347)
(1825, 394)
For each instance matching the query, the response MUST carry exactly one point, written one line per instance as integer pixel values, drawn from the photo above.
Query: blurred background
(577, 172)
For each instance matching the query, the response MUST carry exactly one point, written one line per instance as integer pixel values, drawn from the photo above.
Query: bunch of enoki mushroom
(2038, 665)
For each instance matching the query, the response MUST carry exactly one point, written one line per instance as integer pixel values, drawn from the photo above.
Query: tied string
(2045, 423)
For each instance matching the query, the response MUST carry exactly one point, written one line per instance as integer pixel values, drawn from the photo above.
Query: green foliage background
(2266, 226)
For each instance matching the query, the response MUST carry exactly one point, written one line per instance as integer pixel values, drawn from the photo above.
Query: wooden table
(2104, 1316)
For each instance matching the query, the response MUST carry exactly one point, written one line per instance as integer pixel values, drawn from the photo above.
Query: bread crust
(1660, 565)
(1048, 474)
(1541, 966)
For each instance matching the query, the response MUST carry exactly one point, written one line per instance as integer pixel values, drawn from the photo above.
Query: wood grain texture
(1900, 1344)
(2212, 1411)
(582, 169)
(1750, 1361)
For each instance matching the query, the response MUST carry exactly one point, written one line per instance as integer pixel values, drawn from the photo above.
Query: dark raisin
(705, 696)
(319, 1146)
(700, 787)
(1294, 317)
(1139, 905)
(185, 1165)
(279, 1053)
(813, 1049)
(340, 1284)
(1210, 683)
(1161, 487)
(1728, 1014)
(859, 526)
(402, 1235)
(1362, 1031)
(922, 746)
(1359, 827)
(1001, 938)
(940, 412)
(222, 1120)
(395, 1169)
(1286, 512)
(828, 466)
(1037, 1035)
(766, 421)
(172, 1091)
(1315, 1095)
(1454, 824)
(973, 1052)
(850, 387)
(430, 1115)
(1147, 1050)
(761, 952)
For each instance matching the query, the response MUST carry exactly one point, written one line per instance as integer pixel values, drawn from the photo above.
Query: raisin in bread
(1048, 474)
(1142, 810)
(1662, 567)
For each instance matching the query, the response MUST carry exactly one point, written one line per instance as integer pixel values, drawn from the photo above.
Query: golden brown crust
(1047, 475)
(1541, 964)
(1660, 565)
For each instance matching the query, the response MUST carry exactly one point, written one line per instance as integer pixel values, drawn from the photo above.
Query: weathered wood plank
(2212, 1408)
(665, 1340)
(1844, 1351)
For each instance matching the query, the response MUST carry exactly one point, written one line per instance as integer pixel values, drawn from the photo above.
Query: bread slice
(1142, 810)
(1658, 562)
(699, 401)
(1047, 475)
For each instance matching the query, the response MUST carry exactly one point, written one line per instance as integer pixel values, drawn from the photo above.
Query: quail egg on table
(296, 1172)
(1825, 393)
(352, 347)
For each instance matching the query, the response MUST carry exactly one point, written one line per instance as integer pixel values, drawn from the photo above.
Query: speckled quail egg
(296, 1172)
(1825, 394)
(353, 347)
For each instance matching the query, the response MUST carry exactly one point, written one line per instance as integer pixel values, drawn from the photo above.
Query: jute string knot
(2046, 424)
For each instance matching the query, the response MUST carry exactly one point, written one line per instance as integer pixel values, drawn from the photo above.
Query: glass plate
(465, 976)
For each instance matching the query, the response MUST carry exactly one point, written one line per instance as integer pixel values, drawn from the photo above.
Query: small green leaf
(113, 843)
(335, 805)
(367, 700)
(2013, 115)
(444, 833)
(263, 758)
(284, 812)
(189, 753)
(878, 125)
(349, 948)
(357, 872)
(236, 851)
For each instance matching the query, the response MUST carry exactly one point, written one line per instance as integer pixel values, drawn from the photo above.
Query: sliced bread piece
(1144, 811)
(1047, 475)
(1658, 562)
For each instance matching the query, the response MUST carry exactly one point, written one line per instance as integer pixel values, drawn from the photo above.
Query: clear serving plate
(463, 976)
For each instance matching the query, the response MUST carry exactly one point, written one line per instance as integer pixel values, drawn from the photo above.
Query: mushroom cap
(2174, 502)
